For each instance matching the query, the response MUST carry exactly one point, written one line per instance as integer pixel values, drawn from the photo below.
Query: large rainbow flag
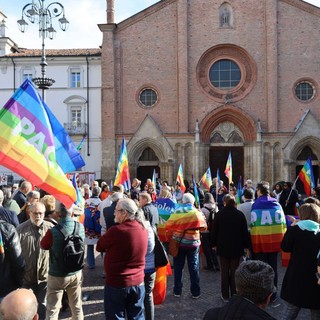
(180, 179)
(307, 177)
(35, 145)
(268, 225)
(195, 193)
(123, 175)
(228, 169)
(207, 179)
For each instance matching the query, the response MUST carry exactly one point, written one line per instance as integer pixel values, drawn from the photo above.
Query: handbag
(174, 245)
(160, 255)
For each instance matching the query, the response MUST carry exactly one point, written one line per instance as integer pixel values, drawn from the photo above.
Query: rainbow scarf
(122, 175)
(268, 225)
(35, 145)
(207, 179)
(185, 217)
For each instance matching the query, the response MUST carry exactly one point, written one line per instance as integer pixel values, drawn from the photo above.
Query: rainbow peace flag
(307, 177)
(180, 179)
(207, 179)
(80, 202)
(1, 244)
(35, 145)
(196, 193)
(228, 169)
(239, 190)
(154, 179)
(123, 175)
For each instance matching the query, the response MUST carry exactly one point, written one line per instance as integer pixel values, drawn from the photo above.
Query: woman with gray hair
(149, 271)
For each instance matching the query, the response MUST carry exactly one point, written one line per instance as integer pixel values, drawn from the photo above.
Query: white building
(74, 98)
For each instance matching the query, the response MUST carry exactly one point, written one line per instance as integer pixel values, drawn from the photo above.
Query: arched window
(225, 16)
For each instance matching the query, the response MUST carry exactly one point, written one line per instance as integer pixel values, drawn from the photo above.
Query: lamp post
(37, 12)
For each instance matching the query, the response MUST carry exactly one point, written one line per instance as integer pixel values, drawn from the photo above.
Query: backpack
(73, 249)
(210, 218)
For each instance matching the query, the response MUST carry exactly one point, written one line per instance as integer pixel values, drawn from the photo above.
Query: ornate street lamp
(37, 12)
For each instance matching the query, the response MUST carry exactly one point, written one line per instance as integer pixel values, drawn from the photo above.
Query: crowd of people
(242, 241)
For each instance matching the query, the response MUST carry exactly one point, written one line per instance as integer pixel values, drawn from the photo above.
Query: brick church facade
(187, 81)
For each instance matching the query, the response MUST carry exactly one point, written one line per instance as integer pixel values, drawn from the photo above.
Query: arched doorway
(147, 163)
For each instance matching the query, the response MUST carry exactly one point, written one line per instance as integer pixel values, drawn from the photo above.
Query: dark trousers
(228, 268)
(211, 255)
(270, 258)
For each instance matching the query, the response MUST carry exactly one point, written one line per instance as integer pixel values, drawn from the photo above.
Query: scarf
(309, 225)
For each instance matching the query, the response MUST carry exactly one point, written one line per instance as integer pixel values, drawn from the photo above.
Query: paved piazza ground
(172, 308)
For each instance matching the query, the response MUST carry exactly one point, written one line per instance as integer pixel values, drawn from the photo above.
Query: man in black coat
(12, 263)
(108, 212)
(254, 283)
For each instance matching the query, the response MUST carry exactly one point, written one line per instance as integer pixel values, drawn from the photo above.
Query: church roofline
(305, 6)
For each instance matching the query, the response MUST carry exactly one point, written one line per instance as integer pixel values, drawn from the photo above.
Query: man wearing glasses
(37, 260)
(126, 247)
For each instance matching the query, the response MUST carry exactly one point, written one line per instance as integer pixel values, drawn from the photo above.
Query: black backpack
(72, 255)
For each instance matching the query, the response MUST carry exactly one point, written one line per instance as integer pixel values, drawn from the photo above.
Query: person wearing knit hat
(254, 284)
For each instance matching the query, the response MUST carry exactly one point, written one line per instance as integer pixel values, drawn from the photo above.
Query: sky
(83, 15)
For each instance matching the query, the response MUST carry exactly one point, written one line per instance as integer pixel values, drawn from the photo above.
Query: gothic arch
(312, 142)
(228, 113)
(136, 150)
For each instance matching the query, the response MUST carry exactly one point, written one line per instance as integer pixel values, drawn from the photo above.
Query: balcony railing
(74, 129)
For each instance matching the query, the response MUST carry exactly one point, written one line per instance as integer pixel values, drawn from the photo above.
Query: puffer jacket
(12, 264)
(37, 259)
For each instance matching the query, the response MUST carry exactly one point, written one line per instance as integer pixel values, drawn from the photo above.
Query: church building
(188, 81)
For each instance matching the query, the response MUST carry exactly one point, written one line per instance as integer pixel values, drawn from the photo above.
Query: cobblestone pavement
(173, 308)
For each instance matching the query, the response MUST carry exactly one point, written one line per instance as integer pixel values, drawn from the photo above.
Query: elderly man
(126, 244)
(185, 225)
(58, 279)
(19, 304)
(254, 283)
(37, 260)
(20, 197)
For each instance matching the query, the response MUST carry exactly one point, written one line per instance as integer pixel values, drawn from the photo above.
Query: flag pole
(293, 186)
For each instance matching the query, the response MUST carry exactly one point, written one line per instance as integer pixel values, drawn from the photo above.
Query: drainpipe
(88, 115)
(14, 75)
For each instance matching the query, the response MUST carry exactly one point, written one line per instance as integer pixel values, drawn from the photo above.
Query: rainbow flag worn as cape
(228, 169)
(123, 175)
(186, 217)
(268, 225)
(207, 179)
(180, 179)
(35, 145)
(307, 178)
